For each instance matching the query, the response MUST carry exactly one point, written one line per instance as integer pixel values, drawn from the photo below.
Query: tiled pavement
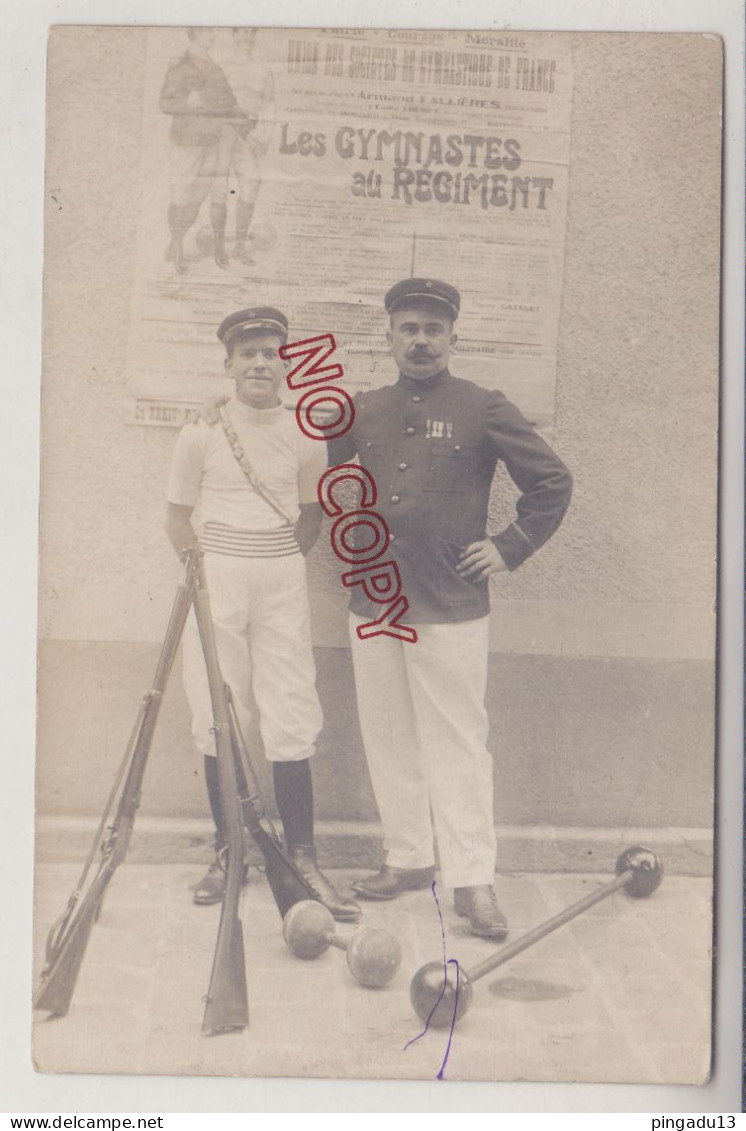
(621, 994)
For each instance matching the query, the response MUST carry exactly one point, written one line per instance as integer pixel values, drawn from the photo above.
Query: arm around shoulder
(343, 448)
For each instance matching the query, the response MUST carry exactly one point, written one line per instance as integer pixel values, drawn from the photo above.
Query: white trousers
(424, 726)
(263, 634)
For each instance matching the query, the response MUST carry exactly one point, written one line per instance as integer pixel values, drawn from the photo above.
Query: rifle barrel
(227, 1003)
(69, 937)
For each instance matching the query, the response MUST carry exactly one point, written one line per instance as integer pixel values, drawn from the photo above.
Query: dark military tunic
(197, 124)
(432, 446)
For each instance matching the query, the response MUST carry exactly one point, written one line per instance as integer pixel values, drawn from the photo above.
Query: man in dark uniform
(432, 442)
(205, 122)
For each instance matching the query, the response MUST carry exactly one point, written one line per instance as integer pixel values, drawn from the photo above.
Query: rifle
(226, 1004)
(287, 884)
(68, 937)
(227, 1000)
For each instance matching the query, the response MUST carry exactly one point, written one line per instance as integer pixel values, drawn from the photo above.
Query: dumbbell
(373, 954)
(441, 993)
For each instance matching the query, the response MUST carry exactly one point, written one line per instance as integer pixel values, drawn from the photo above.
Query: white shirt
(205, 474)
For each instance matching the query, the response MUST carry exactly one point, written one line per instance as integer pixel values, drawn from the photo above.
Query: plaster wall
(602, 672)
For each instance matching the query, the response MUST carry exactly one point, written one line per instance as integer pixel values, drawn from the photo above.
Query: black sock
(294, 797)
(213, 794)
(182, 216)
(212, 778)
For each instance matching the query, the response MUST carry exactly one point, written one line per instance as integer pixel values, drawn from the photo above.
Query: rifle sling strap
(243, 462)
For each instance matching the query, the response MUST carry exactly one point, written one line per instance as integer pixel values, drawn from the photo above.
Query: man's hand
(480, 560)
(308, 526)
(210, 411)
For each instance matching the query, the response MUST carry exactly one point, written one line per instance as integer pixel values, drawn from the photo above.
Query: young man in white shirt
(244, 489)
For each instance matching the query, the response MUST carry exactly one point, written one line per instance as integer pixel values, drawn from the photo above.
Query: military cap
(251, 319)
(419, 290)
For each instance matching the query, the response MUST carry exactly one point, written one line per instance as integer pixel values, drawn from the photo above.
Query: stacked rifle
(440, 992)
(226, 1003)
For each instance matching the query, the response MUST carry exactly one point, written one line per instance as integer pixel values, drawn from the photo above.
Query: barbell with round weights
(441, 992)
(373, 954)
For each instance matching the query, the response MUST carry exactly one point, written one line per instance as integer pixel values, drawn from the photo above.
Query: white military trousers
(262, 629)
(424, 726)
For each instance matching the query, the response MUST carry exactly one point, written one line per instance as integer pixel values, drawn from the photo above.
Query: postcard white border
(22, 93)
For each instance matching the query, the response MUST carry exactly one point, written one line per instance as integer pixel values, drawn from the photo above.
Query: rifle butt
(227, 1001)
(287, 884)
(58, 982)
(69, 939)
(285, 880)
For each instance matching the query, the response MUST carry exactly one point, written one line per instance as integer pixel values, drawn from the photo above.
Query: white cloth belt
(221, 539)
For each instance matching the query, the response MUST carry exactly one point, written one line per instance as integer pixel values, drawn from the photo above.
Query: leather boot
(390, 882)
(211, 888)
(479, 906)
(344, 910)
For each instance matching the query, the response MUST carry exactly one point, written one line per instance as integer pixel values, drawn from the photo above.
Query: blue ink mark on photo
(446, 963)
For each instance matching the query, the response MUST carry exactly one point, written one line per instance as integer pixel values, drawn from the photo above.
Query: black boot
(343, 909)
(211, 887)
(479, 906)
(390, 882)
(294, 797)
(181, 218)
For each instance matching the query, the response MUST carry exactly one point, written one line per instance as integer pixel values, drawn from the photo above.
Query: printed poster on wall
(313, 169)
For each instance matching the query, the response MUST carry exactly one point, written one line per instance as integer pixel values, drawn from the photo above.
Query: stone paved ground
(621, 994)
